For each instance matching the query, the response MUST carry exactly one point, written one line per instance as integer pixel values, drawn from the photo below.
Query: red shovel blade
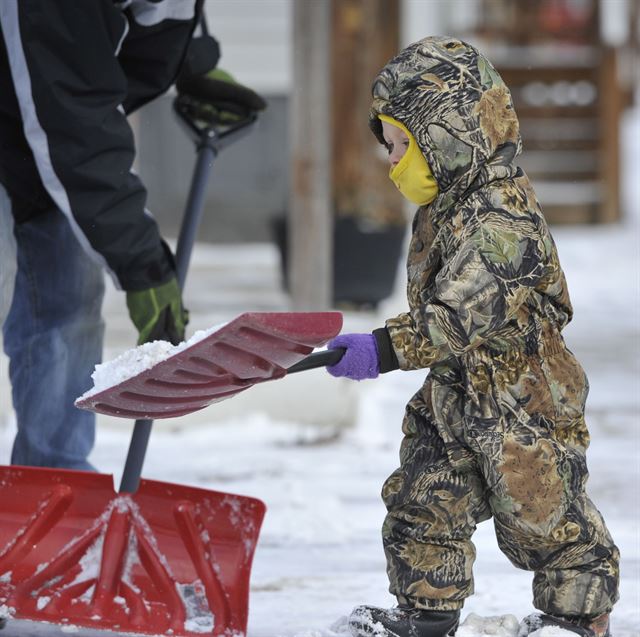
(167, 560)
(253, 348)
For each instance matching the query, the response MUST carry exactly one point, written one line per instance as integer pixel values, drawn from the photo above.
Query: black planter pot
(365, 259)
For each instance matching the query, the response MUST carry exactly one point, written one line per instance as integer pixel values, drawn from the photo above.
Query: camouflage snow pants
(504, 437)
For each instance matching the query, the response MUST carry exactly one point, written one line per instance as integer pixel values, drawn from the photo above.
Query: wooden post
(610, 107)
(365, 36)
(310, 225)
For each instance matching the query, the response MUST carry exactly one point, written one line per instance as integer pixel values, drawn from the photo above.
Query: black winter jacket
(70, 73)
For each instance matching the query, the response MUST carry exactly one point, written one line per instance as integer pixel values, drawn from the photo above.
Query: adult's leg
(433, 509)
(53, 336)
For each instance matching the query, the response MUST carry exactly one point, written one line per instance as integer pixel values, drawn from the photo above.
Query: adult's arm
(70, 89)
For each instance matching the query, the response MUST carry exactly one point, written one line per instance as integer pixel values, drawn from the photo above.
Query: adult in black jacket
(70, 73)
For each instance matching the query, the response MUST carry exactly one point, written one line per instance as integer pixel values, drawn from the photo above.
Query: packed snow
(503, 626)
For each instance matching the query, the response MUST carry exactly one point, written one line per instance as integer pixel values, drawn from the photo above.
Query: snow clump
(139, 359)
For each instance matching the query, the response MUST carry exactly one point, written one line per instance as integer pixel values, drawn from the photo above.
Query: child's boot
(402, 621)
(597, 627)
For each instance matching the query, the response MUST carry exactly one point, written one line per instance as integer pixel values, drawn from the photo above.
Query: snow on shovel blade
(77, 557)
(253, 348)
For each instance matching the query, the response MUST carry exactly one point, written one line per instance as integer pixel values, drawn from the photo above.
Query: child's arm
(478, 291)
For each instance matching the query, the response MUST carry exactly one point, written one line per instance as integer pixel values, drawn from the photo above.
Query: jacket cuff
(386, 353)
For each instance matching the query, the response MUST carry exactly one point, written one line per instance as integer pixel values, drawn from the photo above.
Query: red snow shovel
(251, 349)
(153, 558)
(166, 560)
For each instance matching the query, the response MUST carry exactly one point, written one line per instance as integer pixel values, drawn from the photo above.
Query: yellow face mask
(412, 175)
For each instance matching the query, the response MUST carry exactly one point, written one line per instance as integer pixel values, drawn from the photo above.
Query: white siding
(255, 39)
(420, 18)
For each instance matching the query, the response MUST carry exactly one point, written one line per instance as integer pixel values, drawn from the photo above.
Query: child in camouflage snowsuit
(498, 429)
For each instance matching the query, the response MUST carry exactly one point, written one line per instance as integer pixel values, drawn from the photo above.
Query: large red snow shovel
(166, 560)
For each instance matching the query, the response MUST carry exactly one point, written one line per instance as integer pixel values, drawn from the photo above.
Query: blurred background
(572, 66)
(315, 448)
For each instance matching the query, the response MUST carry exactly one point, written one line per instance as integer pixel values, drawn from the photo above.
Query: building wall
(249, 183)
(255, 39)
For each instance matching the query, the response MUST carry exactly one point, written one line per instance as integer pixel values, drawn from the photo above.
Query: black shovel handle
(318, 359)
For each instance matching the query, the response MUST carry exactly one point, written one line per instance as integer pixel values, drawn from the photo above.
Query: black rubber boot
(598, 627)
(366, 621)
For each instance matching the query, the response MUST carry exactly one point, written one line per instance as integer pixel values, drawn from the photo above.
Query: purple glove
(360, 361)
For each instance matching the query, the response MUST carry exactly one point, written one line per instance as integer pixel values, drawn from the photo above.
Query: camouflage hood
(458, 109)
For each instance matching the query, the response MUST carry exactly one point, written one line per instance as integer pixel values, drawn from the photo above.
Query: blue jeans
(53, 337)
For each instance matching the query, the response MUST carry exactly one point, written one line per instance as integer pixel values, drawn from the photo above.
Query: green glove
(223, 76)
(216, 99)
(158, 313)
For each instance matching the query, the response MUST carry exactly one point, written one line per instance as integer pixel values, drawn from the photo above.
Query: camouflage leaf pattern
(498, 428)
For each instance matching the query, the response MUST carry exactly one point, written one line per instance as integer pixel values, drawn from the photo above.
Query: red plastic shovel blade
(253, 348)
(167, 560)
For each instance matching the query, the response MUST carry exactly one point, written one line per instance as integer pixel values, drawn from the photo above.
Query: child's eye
(389, 148)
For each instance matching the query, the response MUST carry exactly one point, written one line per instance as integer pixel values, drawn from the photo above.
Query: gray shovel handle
(208, 146)
(318, 359)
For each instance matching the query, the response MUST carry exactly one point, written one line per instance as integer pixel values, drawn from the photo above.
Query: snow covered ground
(317, 449)
(320, 552)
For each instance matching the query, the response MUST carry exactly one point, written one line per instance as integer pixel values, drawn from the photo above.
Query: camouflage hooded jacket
(483, 271)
